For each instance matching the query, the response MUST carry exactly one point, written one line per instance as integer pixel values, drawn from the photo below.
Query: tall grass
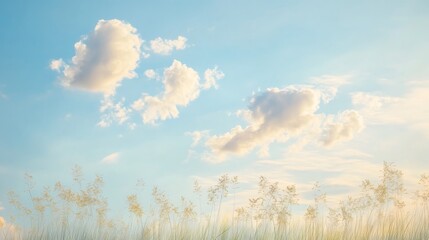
(382, 210)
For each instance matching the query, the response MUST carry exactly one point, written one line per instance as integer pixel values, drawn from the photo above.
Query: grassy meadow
(381, 210)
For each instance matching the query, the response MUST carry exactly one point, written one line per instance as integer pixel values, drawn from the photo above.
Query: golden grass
(379, 211)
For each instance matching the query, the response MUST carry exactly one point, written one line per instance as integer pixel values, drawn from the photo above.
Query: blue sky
(344, 84)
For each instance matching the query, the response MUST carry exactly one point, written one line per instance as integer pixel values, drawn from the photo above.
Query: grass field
(382, 210)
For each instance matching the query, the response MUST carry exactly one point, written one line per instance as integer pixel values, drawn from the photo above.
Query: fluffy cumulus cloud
(102, 59)
(111, 158)
(166, 46)
(289, 114)
(181, 86)
(347, 125)
(273, 115)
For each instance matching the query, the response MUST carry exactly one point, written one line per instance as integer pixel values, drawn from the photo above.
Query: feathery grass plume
(312, 211)
(220, 191)
(15, 202)
(80, 211)
(165, 207)
(188, 209)
(423, 193)
(198, 191)
(134, 206)
(273, 203)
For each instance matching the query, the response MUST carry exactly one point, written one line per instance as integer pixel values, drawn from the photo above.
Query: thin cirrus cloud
(102, 59)
(330, 84)
(166, 46)
(409, 110)
(111, 158)
(181, 86)
(278, 115)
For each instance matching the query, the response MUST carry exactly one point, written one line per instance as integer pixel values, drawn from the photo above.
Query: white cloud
(329, 85)
(331, 80)
(145, 55)
(409, 110)
(113, 112)
(111, 53)
(111, 158)
(348, 124)
(372, 101)
(181, 86)
(288, 114)
(103, 59)
(197, 136)
(166, 46)
(138, 105)
(338, 172)
(212, 76)
(273, 115)
(150, 73)
(56, 64)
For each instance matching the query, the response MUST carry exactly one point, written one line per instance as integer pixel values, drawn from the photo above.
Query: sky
(170, 92)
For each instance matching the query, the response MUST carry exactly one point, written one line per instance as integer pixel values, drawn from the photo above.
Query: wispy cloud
(197, 136)
(113, 112)
(409, 110)
(166, 46)
(111, 158)
(211, 76)
(338, 172)
(329, 85)
(103, 58)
